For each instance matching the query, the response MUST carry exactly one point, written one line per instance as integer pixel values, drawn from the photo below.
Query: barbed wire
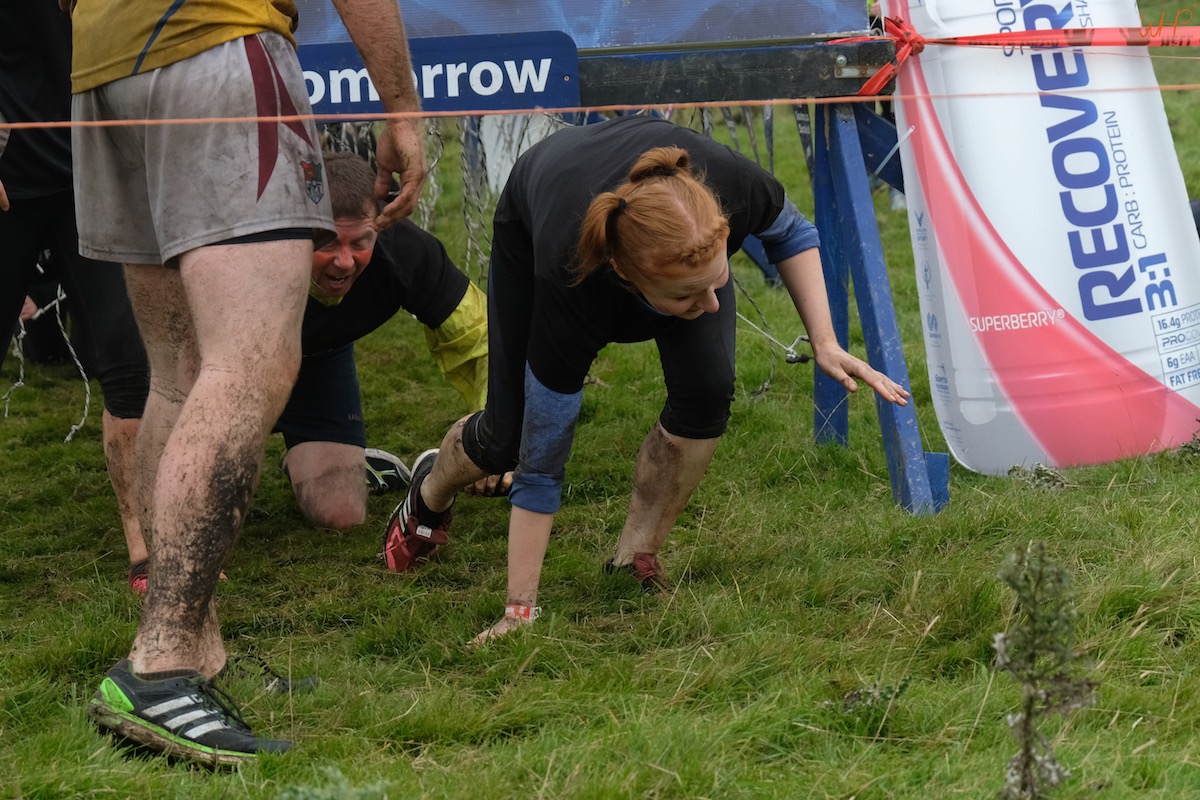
(357, 133)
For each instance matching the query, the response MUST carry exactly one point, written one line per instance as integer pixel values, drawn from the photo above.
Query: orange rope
(910, 43)
(381, 116)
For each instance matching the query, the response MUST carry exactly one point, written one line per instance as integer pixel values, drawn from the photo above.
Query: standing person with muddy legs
(214, 223)
(616, 232)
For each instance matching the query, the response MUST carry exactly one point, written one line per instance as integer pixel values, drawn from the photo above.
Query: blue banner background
(593, 24)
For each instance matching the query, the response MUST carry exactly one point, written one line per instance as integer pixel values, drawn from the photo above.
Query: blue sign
(495, 72)
(603, 24)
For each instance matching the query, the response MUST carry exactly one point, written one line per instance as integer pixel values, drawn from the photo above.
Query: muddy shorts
(144, 194)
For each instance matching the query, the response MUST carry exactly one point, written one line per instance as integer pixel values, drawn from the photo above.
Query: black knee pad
(125, 390)
(702, 412)
(691, 428)
(485, 452)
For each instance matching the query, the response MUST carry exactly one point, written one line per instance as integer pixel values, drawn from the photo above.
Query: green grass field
(805, 599)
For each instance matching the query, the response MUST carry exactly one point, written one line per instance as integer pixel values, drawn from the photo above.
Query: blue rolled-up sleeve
(546, 438)
(789, 234)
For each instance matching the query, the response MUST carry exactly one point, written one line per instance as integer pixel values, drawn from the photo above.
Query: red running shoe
(406, 540)
(648, 571)
(139, 573)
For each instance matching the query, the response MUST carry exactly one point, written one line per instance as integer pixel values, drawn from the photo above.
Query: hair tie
(621, 205)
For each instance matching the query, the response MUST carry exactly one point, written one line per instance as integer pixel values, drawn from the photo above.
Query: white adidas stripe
(200, 730)
(175, 723)
(193, 711)
(168, 706)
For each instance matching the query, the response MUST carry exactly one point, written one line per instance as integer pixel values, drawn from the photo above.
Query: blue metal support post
(851, 249)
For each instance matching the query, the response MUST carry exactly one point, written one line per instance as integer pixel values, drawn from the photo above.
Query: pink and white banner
(1057, 261)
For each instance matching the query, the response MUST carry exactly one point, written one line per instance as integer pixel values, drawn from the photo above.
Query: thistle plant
(1038, 652)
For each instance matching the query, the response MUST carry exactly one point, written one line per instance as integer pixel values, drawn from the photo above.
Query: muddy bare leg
(327, 479)
(243, 305)
(668, 470)
(452, 471)
(120, 444)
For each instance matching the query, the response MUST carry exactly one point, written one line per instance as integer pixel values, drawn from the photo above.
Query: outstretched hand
(504, 626)
(400, 149)
(3, 198)
(844, 368)
(490, 486)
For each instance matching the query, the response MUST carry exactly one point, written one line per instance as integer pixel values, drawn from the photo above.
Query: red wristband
(518, 611)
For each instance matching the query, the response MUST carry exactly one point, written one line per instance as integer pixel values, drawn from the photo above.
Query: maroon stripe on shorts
(271, 99)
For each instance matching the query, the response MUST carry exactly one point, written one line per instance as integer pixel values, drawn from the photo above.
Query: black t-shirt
(547, 194)
(409, 270)
(35, 86)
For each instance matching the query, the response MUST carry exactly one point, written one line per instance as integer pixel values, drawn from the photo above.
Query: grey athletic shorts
(144, 194)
